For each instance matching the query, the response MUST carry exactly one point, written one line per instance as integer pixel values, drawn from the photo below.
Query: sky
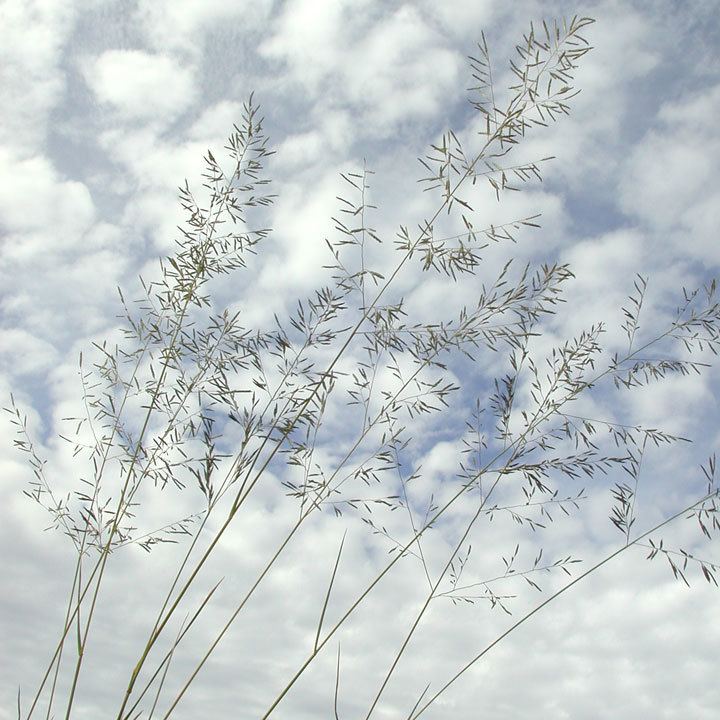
(108, 107)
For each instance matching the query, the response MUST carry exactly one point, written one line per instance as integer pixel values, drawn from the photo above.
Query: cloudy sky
(109, 106)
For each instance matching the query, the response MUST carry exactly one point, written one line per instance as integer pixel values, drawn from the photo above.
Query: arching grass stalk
(246, 490)
(547, 410)
(553, 597)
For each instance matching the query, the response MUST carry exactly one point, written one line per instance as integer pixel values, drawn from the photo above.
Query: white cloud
(394, 69)
(671, 179)
(141, 85)
(309, 36)
(302, 221)
(31, 80)
(215, 122)
(465, 20)
(51, 241)
(604, 270)
(306, 153)
(400, 71)
(183, 25)
(22, 353)
(34, 196)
